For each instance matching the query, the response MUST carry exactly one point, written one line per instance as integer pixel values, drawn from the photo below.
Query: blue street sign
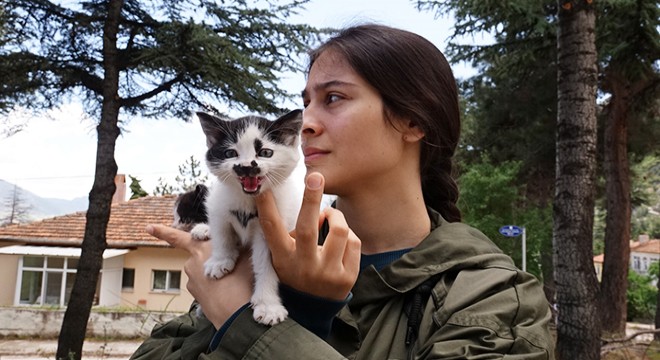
(511, 230)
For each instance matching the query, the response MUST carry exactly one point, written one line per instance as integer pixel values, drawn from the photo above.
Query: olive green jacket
(481, 307)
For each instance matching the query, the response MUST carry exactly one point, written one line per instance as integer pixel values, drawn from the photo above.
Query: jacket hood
(448, 247)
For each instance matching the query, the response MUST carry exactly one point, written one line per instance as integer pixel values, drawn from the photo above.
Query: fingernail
(314, 181)
(149, 229)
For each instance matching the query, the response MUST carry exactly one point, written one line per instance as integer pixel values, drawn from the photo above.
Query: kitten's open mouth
(251, 184)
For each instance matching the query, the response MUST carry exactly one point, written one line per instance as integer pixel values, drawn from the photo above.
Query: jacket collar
(448, 247)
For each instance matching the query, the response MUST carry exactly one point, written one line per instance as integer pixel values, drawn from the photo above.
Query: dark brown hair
(415, 83)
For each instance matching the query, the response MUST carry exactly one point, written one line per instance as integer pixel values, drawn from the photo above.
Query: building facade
(39, 260)
(643, 253)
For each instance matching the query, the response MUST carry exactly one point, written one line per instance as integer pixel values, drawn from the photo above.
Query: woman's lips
(312, 153)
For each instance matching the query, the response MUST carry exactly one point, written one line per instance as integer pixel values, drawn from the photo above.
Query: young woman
(389, 272)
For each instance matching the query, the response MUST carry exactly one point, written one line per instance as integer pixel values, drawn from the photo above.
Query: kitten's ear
(287, 127)
(212, 126)
(201, 190)
(293, 115)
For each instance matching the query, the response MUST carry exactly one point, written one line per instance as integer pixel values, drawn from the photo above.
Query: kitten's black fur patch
(222, 132)
(191, 208)
(243, 217)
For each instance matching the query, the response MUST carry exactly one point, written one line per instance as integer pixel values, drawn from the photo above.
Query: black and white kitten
(249, 155)
(190, 210)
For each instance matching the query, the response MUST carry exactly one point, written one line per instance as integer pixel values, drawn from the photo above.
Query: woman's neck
(392, 220)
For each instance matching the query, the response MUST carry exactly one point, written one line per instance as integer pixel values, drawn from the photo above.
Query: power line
(89, 176)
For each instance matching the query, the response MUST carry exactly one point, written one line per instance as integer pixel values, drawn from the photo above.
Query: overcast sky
(54, 156)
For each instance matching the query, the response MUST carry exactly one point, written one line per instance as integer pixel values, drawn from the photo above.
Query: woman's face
(345, 136)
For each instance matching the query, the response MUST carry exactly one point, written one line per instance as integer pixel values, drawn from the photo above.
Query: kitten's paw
(217, 268)
(269, 314)
(200, 232)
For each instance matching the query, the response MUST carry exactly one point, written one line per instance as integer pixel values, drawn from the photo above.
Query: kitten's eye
(265, 153)
(230, 153)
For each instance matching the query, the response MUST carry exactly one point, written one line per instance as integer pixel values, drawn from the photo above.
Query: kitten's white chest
(232, 211)
(246, 225)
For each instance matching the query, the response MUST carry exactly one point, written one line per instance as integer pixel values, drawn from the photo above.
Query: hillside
(39, 207)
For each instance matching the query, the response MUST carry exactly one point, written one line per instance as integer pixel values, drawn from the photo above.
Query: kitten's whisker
(276, 178)
(226, 177)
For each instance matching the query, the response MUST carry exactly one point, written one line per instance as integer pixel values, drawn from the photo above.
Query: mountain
(39, 207)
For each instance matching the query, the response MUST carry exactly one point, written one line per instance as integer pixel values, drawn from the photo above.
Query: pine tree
(163, 188)
(190, 174)
(578, 322)
(18, 210)
(136, 188)
(125, 59)
(513, 99)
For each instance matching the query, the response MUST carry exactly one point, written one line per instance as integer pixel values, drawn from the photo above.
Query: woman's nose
(311, 126)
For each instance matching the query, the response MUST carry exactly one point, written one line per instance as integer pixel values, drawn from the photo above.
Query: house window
(46, 280)
(645, 263)
(127, 279)
(636, 262)
(166, 280)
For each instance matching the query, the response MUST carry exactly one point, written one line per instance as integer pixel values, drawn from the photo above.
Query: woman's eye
(230, 153)
(333, 98)
(265, 153)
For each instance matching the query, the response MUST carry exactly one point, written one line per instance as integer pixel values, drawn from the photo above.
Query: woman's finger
(335, 243)
(177, 238)
(307, 225)
(352, 254)
(276, 234)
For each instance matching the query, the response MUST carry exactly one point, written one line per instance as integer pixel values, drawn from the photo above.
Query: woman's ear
(411, 132)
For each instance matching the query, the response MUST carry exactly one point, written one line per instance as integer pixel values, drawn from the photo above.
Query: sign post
(515, 231)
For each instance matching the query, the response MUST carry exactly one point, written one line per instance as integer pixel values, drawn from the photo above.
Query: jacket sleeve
(247, 339)
(487, 312)
(188, 337)
(184, 337)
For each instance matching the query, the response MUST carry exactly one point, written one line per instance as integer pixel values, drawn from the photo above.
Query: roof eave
(78, 242)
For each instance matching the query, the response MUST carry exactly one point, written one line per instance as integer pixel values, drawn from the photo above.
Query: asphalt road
(46, 349)
(36, 349)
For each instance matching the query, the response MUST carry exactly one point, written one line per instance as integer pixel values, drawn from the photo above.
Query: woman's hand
(219, 298)
(327, 271)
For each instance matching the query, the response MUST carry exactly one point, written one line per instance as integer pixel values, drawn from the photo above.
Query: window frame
(168, 281)
(125, 271)
(45, 270)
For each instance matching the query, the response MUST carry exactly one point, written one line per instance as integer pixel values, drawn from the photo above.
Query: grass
(632, 350)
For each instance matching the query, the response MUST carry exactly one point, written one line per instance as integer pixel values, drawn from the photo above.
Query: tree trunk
(547, 266)
(657, 313)
(578, 325)
(614, 283)
(74, 325)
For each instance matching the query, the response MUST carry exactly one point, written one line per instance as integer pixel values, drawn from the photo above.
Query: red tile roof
(649, 247)
(125, 229)
(599, 258)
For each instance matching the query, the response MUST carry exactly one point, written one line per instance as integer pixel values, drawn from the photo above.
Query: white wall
(110, 291)
(40, 323)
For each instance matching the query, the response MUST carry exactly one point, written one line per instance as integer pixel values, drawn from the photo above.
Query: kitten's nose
(249, 171)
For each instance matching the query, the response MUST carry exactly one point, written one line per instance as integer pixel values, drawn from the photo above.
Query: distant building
(38, 260)
(643, 253)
